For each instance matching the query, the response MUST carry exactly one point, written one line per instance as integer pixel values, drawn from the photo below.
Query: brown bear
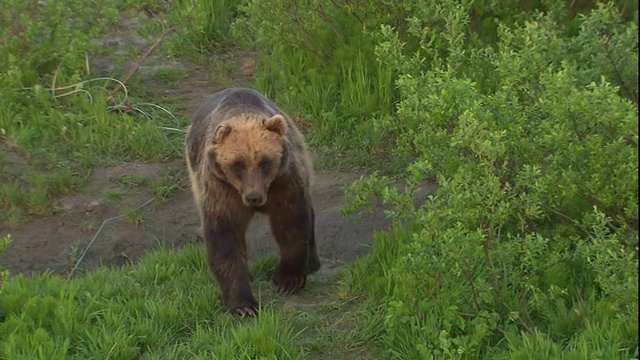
(245, 155)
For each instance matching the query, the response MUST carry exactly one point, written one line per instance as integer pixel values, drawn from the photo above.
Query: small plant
(114, 195)
(170, 182)
(73, 257)
(133, 181)
(134, 217)
(13, 217)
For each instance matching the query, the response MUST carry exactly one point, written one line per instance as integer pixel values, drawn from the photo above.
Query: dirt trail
(48, 243)
(55, 242)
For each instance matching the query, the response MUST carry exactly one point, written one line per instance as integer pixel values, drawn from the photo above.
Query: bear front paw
(243, 308)
(245, 311)
(289, 282)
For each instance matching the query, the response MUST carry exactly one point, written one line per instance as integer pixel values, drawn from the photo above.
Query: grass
(133, 181)
(59, 124)
(72, 127)
(167, 307)
(74, 142)
(171, 77)
(74, 124)
(134, 217)
(169, 183)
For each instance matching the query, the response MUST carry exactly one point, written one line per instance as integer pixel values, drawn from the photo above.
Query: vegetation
(164, 307)
(4, 274)
(525, 113)
(60, 118)
(530, 246)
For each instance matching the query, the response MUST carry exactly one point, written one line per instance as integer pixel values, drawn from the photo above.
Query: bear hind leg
(293, 229)
(313, 262)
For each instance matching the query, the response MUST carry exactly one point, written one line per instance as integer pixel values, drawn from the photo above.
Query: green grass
(134, 217)
(168, 307)
(169, 183)
(133, 181)
(170, 76)
(58, 124)
(336, 70)
(58, 127)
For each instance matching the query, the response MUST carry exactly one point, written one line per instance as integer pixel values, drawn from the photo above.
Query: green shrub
(530, 246)
(333, 63)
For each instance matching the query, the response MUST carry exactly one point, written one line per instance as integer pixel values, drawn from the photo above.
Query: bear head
(248, 152)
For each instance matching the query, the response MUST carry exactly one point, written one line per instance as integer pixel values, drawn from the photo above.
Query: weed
(133, 181)
(169, 183)
(134, 217)
(73, 257)
(170, 76)
(114, 195)
(4, 274)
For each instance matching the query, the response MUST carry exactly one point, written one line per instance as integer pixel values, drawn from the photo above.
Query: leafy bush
(334, 64)
(527, 120)
(533, 235)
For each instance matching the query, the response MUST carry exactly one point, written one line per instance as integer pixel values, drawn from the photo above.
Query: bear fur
(244, 155)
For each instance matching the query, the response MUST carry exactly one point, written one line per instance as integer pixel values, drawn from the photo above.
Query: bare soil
(53, 243)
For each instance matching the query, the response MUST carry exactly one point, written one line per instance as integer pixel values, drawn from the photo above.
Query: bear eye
(265, 165)
(237, 167)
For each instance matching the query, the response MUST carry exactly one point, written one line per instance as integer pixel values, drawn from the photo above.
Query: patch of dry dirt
(54, 242)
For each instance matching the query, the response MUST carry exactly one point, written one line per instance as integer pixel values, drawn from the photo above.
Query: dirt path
(55, 242)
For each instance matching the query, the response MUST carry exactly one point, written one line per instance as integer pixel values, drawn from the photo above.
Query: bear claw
(289, 284)
(247, 307)
(246, 311)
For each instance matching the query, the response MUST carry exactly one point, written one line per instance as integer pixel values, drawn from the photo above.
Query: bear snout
(254, 198)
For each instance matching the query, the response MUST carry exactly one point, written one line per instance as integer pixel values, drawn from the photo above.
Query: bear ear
(221, 133)
(277, 124)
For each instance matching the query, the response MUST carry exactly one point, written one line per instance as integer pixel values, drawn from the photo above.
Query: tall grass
(204, 27)
(166, 307)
